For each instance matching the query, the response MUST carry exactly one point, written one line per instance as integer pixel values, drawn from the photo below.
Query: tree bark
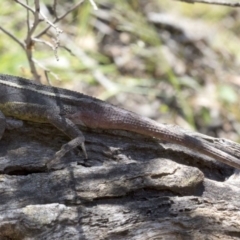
(131, 187)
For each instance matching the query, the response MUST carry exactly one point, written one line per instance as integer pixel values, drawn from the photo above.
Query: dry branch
(231, 3)
(130, 188)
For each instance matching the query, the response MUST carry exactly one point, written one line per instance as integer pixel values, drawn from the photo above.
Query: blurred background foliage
(171, 61)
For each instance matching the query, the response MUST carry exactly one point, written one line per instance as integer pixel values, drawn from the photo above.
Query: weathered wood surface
(132, 187)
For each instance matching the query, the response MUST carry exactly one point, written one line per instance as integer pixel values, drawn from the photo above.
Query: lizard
(23, 99)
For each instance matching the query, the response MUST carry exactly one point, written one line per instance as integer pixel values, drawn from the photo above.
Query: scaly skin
(112, 117)
(65, 109)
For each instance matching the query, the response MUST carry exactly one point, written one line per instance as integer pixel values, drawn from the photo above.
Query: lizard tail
(135, 123)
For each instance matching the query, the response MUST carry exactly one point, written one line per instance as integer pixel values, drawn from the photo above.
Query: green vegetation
(185, 65)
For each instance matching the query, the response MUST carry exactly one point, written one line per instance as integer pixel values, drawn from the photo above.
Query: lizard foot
(64, 149)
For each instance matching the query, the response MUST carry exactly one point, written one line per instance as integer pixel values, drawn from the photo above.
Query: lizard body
(65, 109)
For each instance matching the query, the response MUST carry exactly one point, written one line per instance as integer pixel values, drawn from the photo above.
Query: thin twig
(55, 7)
(58, 30)
(25, 6)
(44, 42)
(28, 21)
(46, 69)
(231, 3)
(57, 19)
(94, 5)
(69, 10)
(12, 37)
(29, 42)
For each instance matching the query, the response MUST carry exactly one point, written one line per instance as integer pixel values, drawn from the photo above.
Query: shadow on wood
(132, 187)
